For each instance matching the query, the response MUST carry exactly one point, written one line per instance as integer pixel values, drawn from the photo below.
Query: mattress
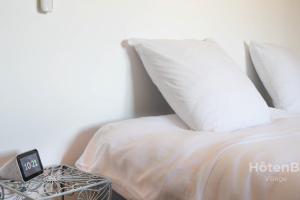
(160, 158)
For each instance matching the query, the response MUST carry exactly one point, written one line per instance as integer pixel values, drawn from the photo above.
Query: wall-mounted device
(46, 6)
(24, 167)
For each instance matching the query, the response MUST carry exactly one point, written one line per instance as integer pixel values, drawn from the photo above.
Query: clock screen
(30, 164)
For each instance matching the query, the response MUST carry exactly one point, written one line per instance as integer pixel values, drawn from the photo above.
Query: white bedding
(159, 158)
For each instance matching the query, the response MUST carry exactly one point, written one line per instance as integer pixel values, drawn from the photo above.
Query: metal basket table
(59, 182)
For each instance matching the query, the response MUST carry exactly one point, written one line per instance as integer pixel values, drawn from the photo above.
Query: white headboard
(64, 74)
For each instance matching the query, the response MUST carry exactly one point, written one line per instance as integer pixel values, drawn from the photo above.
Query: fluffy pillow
(279, 70)
(202, 84)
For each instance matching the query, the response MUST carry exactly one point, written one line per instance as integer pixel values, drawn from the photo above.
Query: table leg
(1, 193)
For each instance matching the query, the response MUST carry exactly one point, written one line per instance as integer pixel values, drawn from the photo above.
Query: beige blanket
(158, 158)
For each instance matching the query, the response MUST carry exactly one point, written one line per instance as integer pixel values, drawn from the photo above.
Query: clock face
(30, 165)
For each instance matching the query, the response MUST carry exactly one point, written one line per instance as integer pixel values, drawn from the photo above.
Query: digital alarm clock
(24, 167)
(30, 164)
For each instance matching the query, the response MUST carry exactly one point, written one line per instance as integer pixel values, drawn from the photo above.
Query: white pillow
(202, 84)
(279, 70)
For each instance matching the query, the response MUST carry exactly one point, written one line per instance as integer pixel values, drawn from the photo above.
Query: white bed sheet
(159, 158)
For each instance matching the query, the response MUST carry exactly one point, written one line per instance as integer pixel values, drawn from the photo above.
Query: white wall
(64, 74)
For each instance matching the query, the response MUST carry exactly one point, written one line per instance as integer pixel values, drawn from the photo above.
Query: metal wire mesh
(59, 181)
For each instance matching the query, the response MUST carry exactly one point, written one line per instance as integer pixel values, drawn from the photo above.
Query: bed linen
(159, 158)
(279, 70)
(202, 83)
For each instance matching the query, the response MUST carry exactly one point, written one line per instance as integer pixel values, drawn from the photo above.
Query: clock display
(30, 165)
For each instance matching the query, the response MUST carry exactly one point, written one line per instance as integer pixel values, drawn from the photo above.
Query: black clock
(30, 164)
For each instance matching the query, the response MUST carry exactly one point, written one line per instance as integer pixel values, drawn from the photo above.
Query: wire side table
(59, 182)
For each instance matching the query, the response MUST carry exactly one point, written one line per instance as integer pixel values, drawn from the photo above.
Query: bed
(160, 158)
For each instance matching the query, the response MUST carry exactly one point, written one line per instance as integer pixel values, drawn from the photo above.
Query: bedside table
(58, 182)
